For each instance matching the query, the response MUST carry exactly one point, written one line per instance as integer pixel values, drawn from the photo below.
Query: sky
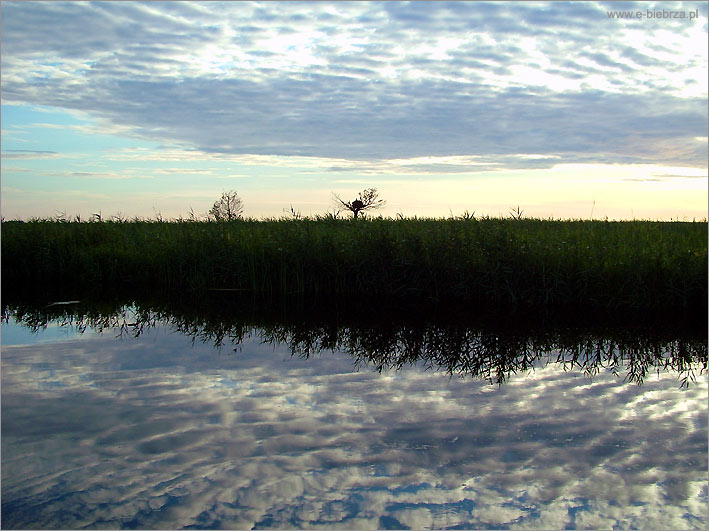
(156, 108)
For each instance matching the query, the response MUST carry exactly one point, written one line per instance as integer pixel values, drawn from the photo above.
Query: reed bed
(474, 263)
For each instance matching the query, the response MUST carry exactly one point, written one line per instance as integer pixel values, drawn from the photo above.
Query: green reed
(528, 263)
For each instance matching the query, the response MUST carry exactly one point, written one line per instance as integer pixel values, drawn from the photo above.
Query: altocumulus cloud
(369, 82)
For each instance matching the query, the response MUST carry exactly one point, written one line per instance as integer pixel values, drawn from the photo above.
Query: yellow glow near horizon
(411, 186)
(562, 192)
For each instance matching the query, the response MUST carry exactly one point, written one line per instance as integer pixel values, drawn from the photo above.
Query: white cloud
(369, 81)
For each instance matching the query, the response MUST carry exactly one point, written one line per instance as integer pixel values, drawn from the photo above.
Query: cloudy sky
(145, 107)
(158, 432)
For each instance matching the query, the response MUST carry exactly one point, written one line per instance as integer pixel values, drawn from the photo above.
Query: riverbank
(472, 263)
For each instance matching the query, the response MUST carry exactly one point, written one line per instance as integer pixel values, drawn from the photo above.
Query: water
(274, 430)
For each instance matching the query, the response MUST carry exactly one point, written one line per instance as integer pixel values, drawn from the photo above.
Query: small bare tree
(228, 207)
(366, 200)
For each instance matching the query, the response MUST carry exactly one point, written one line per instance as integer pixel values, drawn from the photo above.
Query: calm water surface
(108, 430)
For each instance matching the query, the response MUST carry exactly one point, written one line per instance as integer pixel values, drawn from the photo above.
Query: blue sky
(138, 108)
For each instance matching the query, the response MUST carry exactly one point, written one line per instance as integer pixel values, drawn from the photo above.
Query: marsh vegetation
(471, 262)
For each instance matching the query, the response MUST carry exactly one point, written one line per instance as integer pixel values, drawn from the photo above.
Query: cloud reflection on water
(156, 432)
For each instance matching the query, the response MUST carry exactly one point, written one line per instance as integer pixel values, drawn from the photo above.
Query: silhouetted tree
(228, 207)
(367, 200)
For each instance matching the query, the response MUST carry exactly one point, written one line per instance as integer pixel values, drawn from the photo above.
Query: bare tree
(228, 207)
(366, 200)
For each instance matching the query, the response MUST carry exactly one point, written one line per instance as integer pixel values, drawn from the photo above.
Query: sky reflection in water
(161, 432)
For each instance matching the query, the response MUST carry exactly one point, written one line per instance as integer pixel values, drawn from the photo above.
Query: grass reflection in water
(492, 349)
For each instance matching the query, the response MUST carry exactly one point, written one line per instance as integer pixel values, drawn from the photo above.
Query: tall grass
(526, 263)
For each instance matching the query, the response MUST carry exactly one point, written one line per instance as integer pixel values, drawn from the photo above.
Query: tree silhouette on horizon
(366, 200)
(228, 207)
